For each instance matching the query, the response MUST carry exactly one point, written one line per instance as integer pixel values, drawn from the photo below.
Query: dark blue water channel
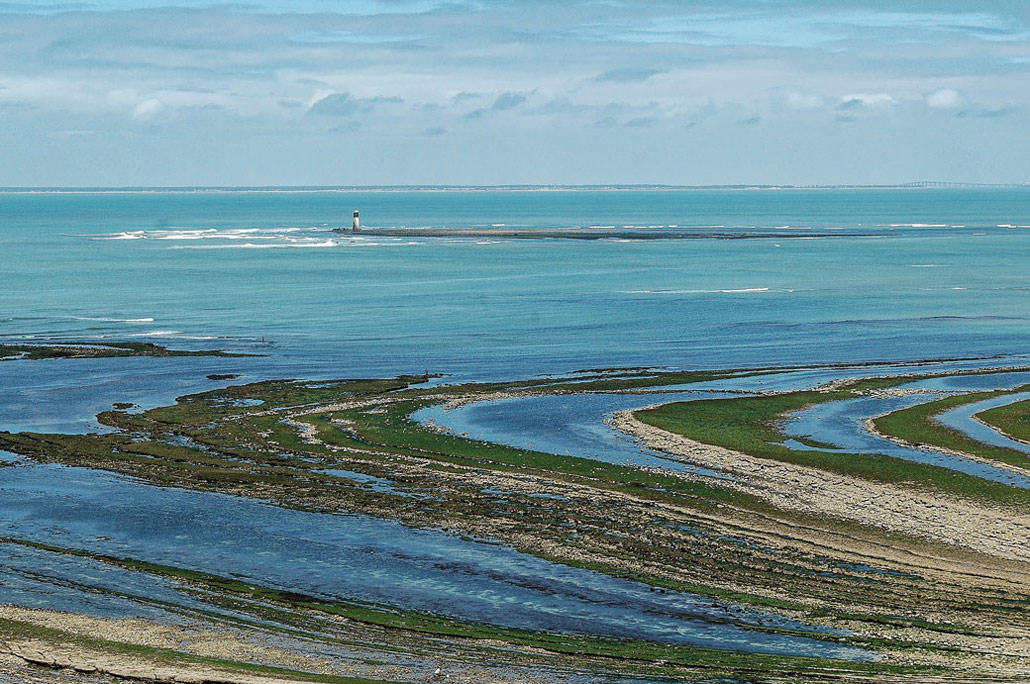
(569, 424)
(573, 424)
(961, 418)
(841, 423)
(355, 558)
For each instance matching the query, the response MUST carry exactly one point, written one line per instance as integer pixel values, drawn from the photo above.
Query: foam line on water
(742, 290)
(102, 319)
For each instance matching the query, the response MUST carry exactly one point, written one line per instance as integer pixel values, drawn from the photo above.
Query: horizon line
(83, 189)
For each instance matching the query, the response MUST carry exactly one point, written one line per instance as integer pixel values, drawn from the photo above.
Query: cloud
(866, 101)
(337, 104)
(627, 75)
(148, 109)
(504, 102)
(344, 104)
(508, 100)
(288, 75)
(558, 105)
(945, 98)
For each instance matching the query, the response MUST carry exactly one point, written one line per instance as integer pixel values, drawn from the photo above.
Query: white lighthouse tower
(356, 226)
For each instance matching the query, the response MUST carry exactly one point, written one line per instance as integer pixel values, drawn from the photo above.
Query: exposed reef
(923, 566)
(95, 350)
(593, 233)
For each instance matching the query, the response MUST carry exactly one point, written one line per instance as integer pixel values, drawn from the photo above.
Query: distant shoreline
(489, 188)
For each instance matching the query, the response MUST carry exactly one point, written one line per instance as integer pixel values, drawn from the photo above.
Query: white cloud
(867, 100)
(148, 109)
(945, 98)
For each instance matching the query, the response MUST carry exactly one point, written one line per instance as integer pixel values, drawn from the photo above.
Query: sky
(491, 92)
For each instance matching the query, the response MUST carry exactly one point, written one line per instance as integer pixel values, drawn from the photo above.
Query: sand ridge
(994, 530)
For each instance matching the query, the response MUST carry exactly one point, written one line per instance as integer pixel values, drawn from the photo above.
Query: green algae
(245, 440)
(1012, 420)
(917, 425)
(752, 425)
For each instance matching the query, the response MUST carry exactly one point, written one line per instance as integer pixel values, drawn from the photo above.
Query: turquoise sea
(850, 275)
(752, 278)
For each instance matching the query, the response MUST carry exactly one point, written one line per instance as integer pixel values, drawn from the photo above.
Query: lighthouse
(356, 226)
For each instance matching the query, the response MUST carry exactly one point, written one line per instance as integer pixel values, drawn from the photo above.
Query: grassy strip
(751, 425)
(1013, 420)
(916, 424)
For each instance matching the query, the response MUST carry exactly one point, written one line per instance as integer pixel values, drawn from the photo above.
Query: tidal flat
(314, 530)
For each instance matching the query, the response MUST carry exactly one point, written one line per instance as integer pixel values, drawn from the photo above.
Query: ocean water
(861, 275)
